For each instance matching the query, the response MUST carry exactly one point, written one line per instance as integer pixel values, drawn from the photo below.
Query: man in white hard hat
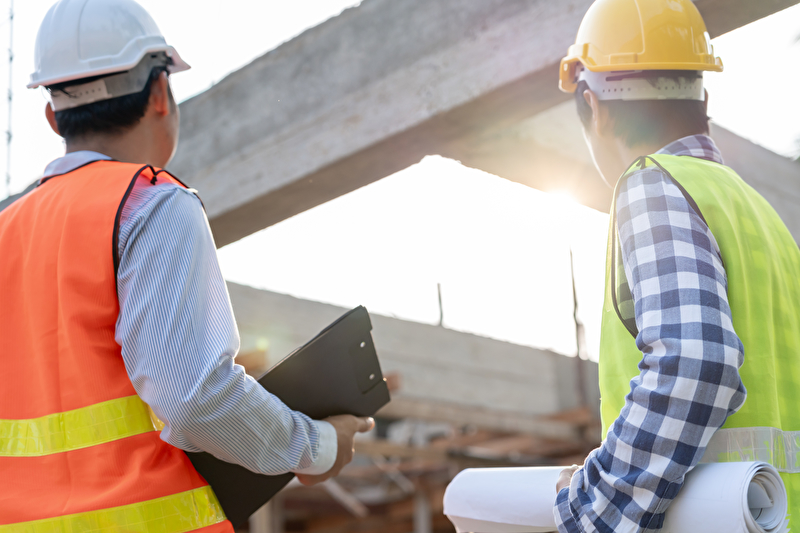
(112, 305)
(701, 309)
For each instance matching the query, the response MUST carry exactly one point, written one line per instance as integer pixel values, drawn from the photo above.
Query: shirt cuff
(326, 450)
(562, 512)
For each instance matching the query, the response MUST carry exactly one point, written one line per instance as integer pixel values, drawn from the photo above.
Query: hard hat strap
(121, 84)
(644, 84)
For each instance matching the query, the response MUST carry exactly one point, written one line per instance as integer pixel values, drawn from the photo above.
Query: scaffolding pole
(10, 93)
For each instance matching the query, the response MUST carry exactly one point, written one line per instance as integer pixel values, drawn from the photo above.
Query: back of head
(644, 60)
(110, 116)
(98, 58)
(647, 121)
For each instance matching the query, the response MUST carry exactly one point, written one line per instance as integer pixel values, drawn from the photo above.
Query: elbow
(723, 356)
(181, 416)
(178, 426)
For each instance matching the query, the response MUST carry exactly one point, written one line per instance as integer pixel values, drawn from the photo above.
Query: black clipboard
(335, 373)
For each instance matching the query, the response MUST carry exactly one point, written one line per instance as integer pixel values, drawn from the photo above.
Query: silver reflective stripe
(779, 448)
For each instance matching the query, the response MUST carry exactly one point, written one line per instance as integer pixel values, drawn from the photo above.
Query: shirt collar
(700, 146)
(71, 161)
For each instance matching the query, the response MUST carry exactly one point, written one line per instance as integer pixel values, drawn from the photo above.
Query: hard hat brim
(568, 68)
(179, 65)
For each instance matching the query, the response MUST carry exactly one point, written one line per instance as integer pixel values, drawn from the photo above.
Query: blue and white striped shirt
(179, 338)
(689, 374)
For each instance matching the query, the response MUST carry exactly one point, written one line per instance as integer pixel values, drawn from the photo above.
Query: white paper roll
(502, 500)
(716, 498)
(748, 497)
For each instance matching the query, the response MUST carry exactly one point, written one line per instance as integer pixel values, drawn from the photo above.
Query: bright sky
(215, 38)
(500, 250)
(757, 94)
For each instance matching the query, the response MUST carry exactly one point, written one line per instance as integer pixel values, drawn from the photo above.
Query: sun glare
(564, 197)
(500, 251)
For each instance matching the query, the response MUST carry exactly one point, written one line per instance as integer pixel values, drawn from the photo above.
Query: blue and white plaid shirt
(689, 381)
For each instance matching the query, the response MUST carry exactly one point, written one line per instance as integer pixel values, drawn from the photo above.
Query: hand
(565, 477)
(346, 427)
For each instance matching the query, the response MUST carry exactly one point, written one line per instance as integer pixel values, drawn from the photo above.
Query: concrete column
(268, 519)
(423, 520)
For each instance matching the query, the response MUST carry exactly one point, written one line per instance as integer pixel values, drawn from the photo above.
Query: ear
(51, 118)
(159, 95)
(705, 102)
(600, 118)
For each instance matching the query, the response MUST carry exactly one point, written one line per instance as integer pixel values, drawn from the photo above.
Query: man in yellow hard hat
(701, 320)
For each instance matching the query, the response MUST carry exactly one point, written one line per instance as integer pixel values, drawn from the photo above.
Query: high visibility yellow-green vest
(762, 262)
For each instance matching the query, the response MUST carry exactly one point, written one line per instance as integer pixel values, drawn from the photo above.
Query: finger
(333, 472)
(365, 424)
(347, 456)
(565, 476)
(564, 481)
(305, 480)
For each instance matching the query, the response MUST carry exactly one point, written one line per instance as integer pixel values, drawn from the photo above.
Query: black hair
(109, 117)
(642, 121)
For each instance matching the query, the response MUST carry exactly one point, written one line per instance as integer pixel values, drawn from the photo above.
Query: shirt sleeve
(179, 339)
(689, 380)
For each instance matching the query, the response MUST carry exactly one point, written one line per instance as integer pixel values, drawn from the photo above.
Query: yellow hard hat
(618, 35)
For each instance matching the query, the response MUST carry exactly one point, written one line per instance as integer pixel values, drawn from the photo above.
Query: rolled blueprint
(748, 497)
(716, 498)
(502, 500)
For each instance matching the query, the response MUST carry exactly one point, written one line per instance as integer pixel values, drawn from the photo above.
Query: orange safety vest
(78, 450)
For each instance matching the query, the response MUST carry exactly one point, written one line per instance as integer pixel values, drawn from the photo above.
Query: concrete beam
(445, 375)
(374, 90)
(547, 152)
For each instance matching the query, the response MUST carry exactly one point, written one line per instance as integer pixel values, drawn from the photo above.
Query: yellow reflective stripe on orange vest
(76, 429)
(185, 511)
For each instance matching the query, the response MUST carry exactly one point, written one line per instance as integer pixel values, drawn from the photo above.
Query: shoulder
(6, 202)
(641, 191)
(651, 192)
(145, 199)
(651, 207)
(162, 212)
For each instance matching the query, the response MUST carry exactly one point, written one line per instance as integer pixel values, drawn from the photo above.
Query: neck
(135, 145)
(125, 152)
(629, 154)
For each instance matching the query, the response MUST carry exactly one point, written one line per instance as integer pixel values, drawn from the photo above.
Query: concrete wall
(444, 374)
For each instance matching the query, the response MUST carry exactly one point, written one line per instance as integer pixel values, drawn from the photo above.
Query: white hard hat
(81, 39)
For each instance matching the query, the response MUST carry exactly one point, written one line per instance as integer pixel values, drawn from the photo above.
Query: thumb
(305, 480)
(364, 424)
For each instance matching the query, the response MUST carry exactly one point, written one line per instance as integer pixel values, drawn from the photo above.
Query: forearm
(232, 417)
(179, 337)
(661, 433)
